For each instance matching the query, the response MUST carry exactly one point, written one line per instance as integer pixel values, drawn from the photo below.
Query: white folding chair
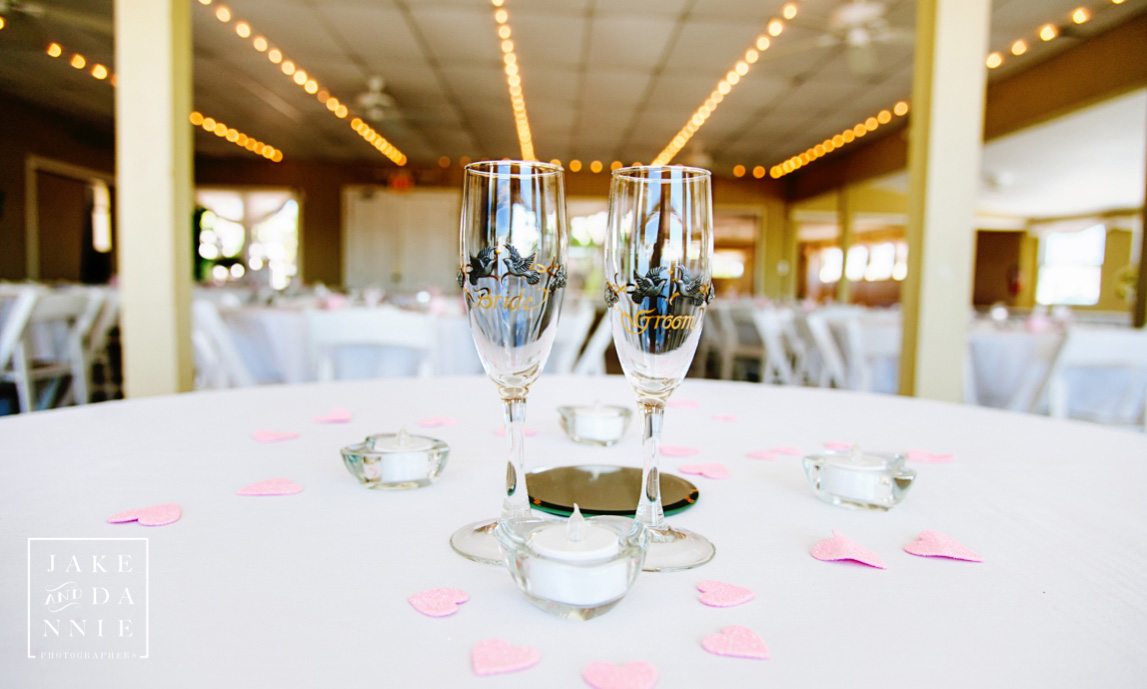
(833, 371)
(738, 338)
(871, 341)
(218, 363)
(97, 344)
(385, 326)
(573, 326)
(1097, 348)
(776, 366)
(592, 360)
(63, 321)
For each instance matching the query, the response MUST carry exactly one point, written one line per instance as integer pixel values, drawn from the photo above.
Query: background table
(310, 590)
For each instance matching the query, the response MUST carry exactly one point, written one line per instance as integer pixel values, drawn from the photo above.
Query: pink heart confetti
(438, 602)
(837, 446)
(683, 404)
(336, 415)
(501, 432)
(928, 457)
(936, 544)
(156, 515)
(841, 547)
(718, 594)
(763, 454)
(273, 486)
(495, 657)
(678, 451)
(267, 436)
(787, 450)
(635, 675)
(436, 421)
(714, 470)
(726, 417)
(736, 642)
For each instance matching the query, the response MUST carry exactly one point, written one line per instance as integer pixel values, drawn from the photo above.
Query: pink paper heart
(438, 602)
(336, 415)
(683, 404)
(841, 547)
(501, 432)
(936, 544)
(635, 675)
(763, 454)
(787, 450)
(726, 417)
(714, 470)
(736, 642)
(156, 515)
(678, 451)
(837, 446)
(718, 594)
(435, 421)
(928, 457)
(272, 486)
(267, 436)
(495, 657)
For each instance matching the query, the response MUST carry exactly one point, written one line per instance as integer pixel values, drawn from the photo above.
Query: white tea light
(596, 425)
(396, 460)
(578, 568)
(858, 479)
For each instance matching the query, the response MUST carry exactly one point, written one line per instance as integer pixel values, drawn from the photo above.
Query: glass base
(674, 550)
(477, 542)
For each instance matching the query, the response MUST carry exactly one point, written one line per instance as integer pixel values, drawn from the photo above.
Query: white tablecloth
(310, 590)
(273, 344)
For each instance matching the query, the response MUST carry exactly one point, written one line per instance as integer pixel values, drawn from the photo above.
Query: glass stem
(649, 510)
(517, 503)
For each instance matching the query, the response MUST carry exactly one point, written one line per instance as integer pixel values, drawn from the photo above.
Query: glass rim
(692, 174)
(533, 168)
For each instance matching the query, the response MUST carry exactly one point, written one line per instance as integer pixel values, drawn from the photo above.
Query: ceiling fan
(375, 104)
(859, 26)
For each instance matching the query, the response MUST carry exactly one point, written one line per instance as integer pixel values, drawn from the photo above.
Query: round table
(310, 589)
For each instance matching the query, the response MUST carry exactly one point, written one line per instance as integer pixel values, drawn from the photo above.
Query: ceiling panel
(628, 41)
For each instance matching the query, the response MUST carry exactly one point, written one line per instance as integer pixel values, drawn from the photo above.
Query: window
(1070, 269)
(248, 234)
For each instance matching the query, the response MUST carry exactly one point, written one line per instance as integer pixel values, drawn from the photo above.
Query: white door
(401, 241)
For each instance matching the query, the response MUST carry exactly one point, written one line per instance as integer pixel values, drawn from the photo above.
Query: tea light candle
(564, 572)
(404, 459)
(596, 425)
(854, 475)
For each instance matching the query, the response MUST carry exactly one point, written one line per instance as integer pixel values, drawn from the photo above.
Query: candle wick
(575, 527)
(403, 437)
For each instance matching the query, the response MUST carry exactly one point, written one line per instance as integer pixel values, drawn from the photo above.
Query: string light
(232, 135)
(724, 87)
(514, 81)
(1047, 32)
(311, 86)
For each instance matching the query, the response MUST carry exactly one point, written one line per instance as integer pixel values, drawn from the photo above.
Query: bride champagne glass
(658, 252)
(513, 250)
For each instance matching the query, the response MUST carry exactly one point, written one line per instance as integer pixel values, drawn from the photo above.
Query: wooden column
(845, 211)
(153, 192)
(1139, 316)
(948, 86)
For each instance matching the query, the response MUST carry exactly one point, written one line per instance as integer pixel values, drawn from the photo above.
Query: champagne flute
(512, 248)
(658, 252)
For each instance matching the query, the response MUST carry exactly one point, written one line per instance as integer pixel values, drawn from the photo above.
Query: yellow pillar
(948, 86)
(845, 212)
(153, 192)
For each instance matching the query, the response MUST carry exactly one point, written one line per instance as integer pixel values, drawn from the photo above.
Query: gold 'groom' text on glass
(658, 253)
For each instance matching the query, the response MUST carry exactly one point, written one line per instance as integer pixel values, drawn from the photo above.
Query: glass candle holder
(577, 569)
(601, 425)
(860, 480)
(396, 461)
